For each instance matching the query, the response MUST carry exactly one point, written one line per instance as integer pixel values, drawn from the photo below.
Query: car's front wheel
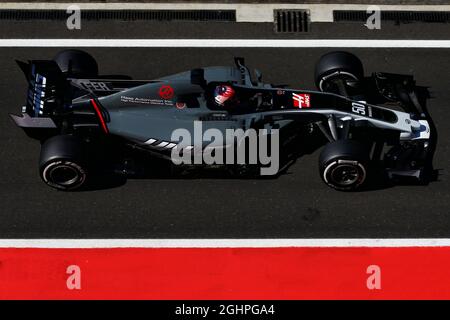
(343, 165)
(339, 72)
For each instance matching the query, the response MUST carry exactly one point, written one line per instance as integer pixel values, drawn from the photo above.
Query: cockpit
(238, 99)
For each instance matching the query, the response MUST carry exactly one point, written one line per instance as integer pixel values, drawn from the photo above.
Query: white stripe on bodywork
(170, 145)
(162, 144)
(150, 141)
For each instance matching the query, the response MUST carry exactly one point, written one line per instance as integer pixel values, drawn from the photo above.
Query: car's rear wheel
(62, 164)
(343, 164)
(338, 72)
(77, 63)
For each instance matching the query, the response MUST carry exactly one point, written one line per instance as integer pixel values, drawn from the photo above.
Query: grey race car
(90, 123)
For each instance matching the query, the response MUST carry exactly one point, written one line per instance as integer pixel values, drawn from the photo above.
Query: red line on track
(226, 273)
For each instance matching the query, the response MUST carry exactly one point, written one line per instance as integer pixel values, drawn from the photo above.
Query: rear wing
(47, 87)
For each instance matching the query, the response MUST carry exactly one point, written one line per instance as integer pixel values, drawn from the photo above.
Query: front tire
(343, 165)
(338, 68)
(62, 165)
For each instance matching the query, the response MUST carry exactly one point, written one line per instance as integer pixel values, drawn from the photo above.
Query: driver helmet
(222, 94)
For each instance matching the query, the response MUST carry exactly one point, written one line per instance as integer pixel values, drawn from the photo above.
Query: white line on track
(219, 243)
(226, 43)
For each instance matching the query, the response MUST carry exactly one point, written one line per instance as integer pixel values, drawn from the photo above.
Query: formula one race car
(87, 122)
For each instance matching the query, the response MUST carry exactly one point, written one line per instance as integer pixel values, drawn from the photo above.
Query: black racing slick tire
(77, 63)
(62, 164)
(344, 165)
(337, 65)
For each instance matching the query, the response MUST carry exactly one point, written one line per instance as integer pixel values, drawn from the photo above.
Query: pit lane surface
(295, 205)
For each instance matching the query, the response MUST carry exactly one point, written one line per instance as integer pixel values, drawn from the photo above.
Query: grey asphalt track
(43, 29)
(295, 205)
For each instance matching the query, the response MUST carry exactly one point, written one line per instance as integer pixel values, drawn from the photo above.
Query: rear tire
(61, 164)
(77, 63)
(338, 66)
(343, 164)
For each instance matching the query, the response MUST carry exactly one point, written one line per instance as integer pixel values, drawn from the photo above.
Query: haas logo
(166, 92)
(301, 100)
